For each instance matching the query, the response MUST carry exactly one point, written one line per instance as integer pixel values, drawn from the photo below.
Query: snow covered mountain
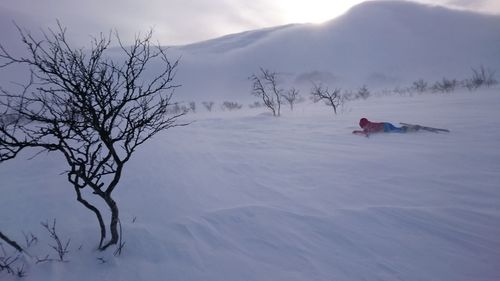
(378, 43)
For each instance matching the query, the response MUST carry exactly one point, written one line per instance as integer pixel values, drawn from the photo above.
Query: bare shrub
(331, 98)
(30, 239)
(420, 86)
(177, 109)
(265, 86)
(291, 96)
(59, 246)
(91, 109)
(255, 105)
(349, 95)
(445, 85)
(11, 263)
(401, 90)
(229, 105)
(480, 77)
(192, 106)
(363, 92)
(208, 105)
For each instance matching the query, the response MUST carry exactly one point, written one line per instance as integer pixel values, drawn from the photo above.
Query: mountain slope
(378, 43)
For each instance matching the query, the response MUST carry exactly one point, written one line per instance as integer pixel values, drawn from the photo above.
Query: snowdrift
(245, 196)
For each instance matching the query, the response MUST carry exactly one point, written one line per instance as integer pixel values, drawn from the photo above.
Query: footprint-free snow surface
(246, 196)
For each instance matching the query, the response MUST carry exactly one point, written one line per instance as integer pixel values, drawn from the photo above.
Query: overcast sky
(184, 21)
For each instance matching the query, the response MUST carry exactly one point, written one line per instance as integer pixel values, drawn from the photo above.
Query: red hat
(363, 122)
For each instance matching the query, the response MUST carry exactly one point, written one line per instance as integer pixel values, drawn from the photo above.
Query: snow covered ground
(246, 196)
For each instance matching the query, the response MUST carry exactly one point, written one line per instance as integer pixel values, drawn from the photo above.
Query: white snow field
(246, 196)
(243, 195)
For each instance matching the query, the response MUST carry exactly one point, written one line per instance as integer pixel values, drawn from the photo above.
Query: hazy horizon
(177, 22)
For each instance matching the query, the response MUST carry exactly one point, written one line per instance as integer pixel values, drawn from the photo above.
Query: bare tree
(192, 106)
(60, 247)
(445, 85)
(208, 105)
(10, 263)
(231, 105)
(291, 96)
(420, 86)
(266, 87)
(93, 110)
(363, 92)
(331, 98)
(481, 77)
(255, 104)
(177, 108)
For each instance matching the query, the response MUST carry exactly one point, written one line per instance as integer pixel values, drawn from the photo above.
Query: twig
(60, 247)
(120, 243)
(30, 239)
(11, 242)
(7, 262)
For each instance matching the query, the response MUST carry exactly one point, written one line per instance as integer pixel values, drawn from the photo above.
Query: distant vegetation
(266, 86)
(480, 77)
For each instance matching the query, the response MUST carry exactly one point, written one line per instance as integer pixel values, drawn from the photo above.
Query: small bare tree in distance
(291, 96)
(265, 86)
(208, 105)
(481, 77)
(91, 109)
(420, 86)
(331, 98)
(363, 92)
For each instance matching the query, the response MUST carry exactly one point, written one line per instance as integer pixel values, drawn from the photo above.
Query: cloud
(467, 3)
(174, 21)
(487, 6)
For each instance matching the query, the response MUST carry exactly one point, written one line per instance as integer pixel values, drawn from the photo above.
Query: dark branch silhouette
(93, 110)
(331, 98)
(265, 86)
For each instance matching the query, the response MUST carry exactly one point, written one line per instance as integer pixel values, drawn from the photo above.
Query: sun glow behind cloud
(183, 22)
(318, 11)
(313, 11)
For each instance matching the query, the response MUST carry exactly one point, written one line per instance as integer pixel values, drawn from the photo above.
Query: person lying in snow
(381, 127)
